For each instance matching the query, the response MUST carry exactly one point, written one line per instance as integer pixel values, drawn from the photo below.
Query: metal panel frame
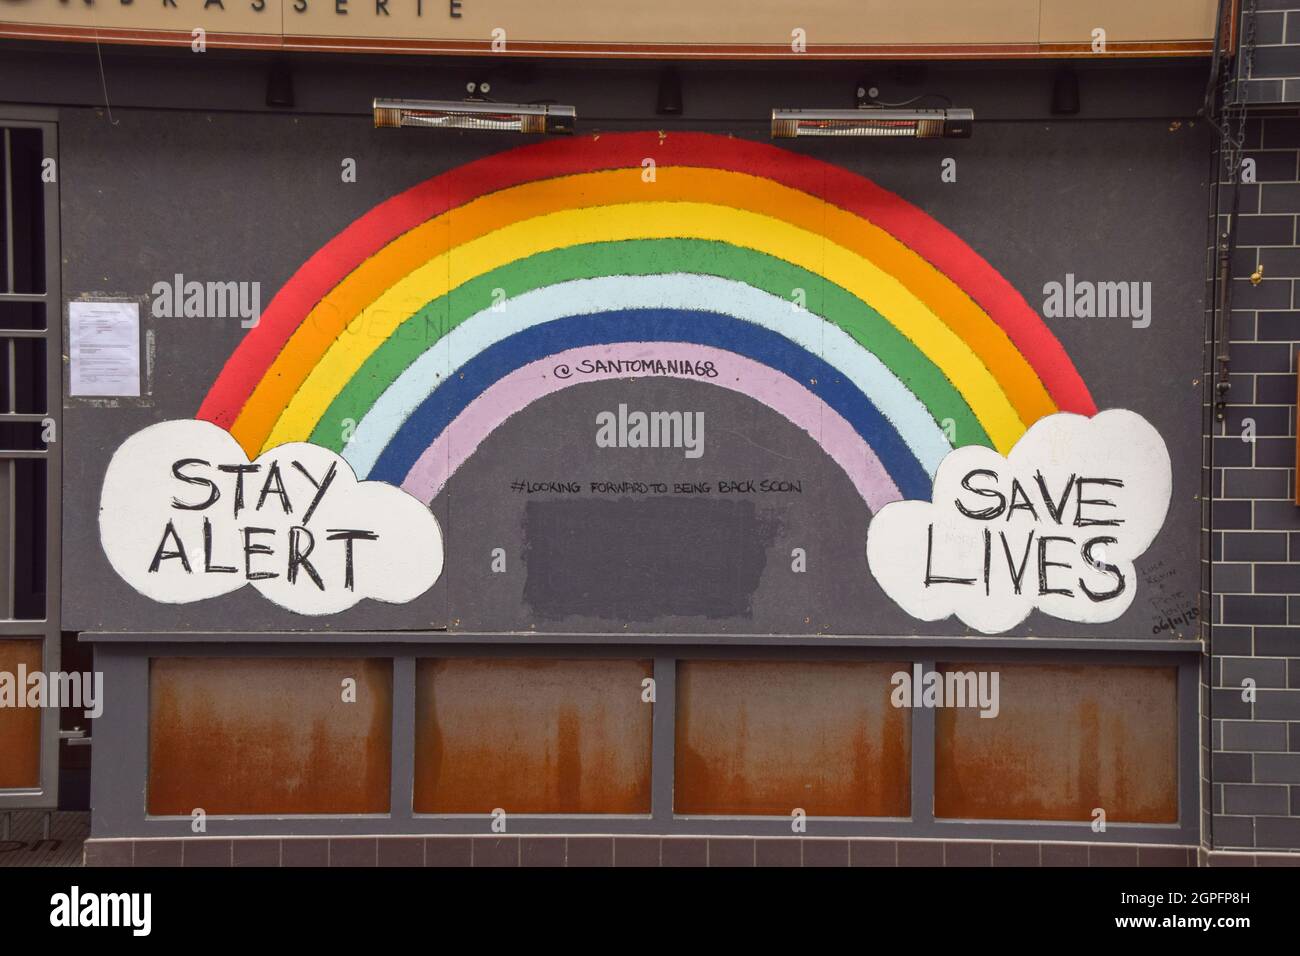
(118, 786)
(46, 795)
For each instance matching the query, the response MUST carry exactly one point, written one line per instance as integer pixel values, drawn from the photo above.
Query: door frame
(46, 794)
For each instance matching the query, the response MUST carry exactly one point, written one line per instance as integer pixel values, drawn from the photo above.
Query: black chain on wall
(1232, 145)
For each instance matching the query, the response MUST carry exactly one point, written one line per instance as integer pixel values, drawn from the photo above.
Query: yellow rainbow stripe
(345, 327)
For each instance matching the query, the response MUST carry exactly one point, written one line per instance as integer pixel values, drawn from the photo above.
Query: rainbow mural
(448, 308)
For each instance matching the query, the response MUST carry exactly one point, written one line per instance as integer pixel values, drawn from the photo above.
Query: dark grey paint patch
(625, 559)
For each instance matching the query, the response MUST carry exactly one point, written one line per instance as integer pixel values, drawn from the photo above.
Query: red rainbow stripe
(555, 158)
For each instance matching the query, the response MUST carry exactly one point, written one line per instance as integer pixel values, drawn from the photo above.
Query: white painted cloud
(184, 515)
(1056, 525)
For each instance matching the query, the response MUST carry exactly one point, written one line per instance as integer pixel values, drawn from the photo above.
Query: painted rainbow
(424, 325)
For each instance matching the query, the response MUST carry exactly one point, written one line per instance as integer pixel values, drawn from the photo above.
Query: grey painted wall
(248, 195)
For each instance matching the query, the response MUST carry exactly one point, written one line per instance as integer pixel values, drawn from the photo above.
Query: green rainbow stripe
(640, 258)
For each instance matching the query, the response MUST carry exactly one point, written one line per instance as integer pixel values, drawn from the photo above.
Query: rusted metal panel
(20, 727)
(767, 737)
(1067, 740)
(262, 735)
(532, 736)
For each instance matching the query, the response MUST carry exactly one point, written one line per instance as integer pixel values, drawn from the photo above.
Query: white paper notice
(104, 348)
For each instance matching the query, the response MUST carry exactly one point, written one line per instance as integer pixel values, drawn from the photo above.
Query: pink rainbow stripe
(536, 380)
